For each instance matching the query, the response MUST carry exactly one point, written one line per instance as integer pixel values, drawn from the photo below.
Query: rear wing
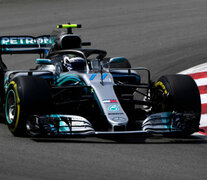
(25, 44)
(39, 45)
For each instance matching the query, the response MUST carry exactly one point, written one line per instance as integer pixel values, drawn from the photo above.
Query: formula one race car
(78, 91)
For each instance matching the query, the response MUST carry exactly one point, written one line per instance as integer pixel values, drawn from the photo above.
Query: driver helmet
(73, 63)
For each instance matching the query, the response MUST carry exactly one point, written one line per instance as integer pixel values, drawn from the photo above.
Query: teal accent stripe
(43, 61)
(68, 76)
(166, 119)
(61, 78)
(62, 125)
(67, 79)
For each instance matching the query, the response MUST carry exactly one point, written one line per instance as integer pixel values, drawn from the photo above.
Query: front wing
(58, 125)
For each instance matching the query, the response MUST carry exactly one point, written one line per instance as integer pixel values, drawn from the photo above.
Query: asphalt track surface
(164, 35)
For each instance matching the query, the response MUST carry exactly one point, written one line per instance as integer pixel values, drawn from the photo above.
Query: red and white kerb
(199, 74)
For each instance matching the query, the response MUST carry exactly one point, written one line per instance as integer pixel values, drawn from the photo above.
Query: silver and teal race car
(76, 91)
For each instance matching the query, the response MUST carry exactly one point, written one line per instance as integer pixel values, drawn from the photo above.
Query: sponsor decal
(26, 40)
(114, 108)
(109, 101)
(115, 114)
(119, 119)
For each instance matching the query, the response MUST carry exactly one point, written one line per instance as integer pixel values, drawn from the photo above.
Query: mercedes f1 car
(80, 91)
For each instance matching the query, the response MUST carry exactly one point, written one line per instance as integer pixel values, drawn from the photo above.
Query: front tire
(12, 110)
(26, 95)
(179, 93)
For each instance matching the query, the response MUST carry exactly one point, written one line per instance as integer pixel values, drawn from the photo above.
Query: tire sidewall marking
(12, 83)
(159, 83)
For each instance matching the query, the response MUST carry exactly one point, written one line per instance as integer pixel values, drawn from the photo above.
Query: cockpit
(72, 60)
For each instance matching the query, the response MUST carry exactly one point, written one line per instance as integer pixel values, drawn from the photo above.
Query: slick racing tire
(25, 96)
(179, 93)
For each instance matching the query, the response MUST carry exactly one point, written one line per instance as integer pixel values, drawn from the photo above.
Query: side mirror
(44, 61)
(119, 62)
(117, 59)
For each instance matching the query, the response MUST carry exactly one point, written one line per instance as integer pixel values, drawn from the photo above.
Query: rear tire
(179, 93)
(26, 95)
